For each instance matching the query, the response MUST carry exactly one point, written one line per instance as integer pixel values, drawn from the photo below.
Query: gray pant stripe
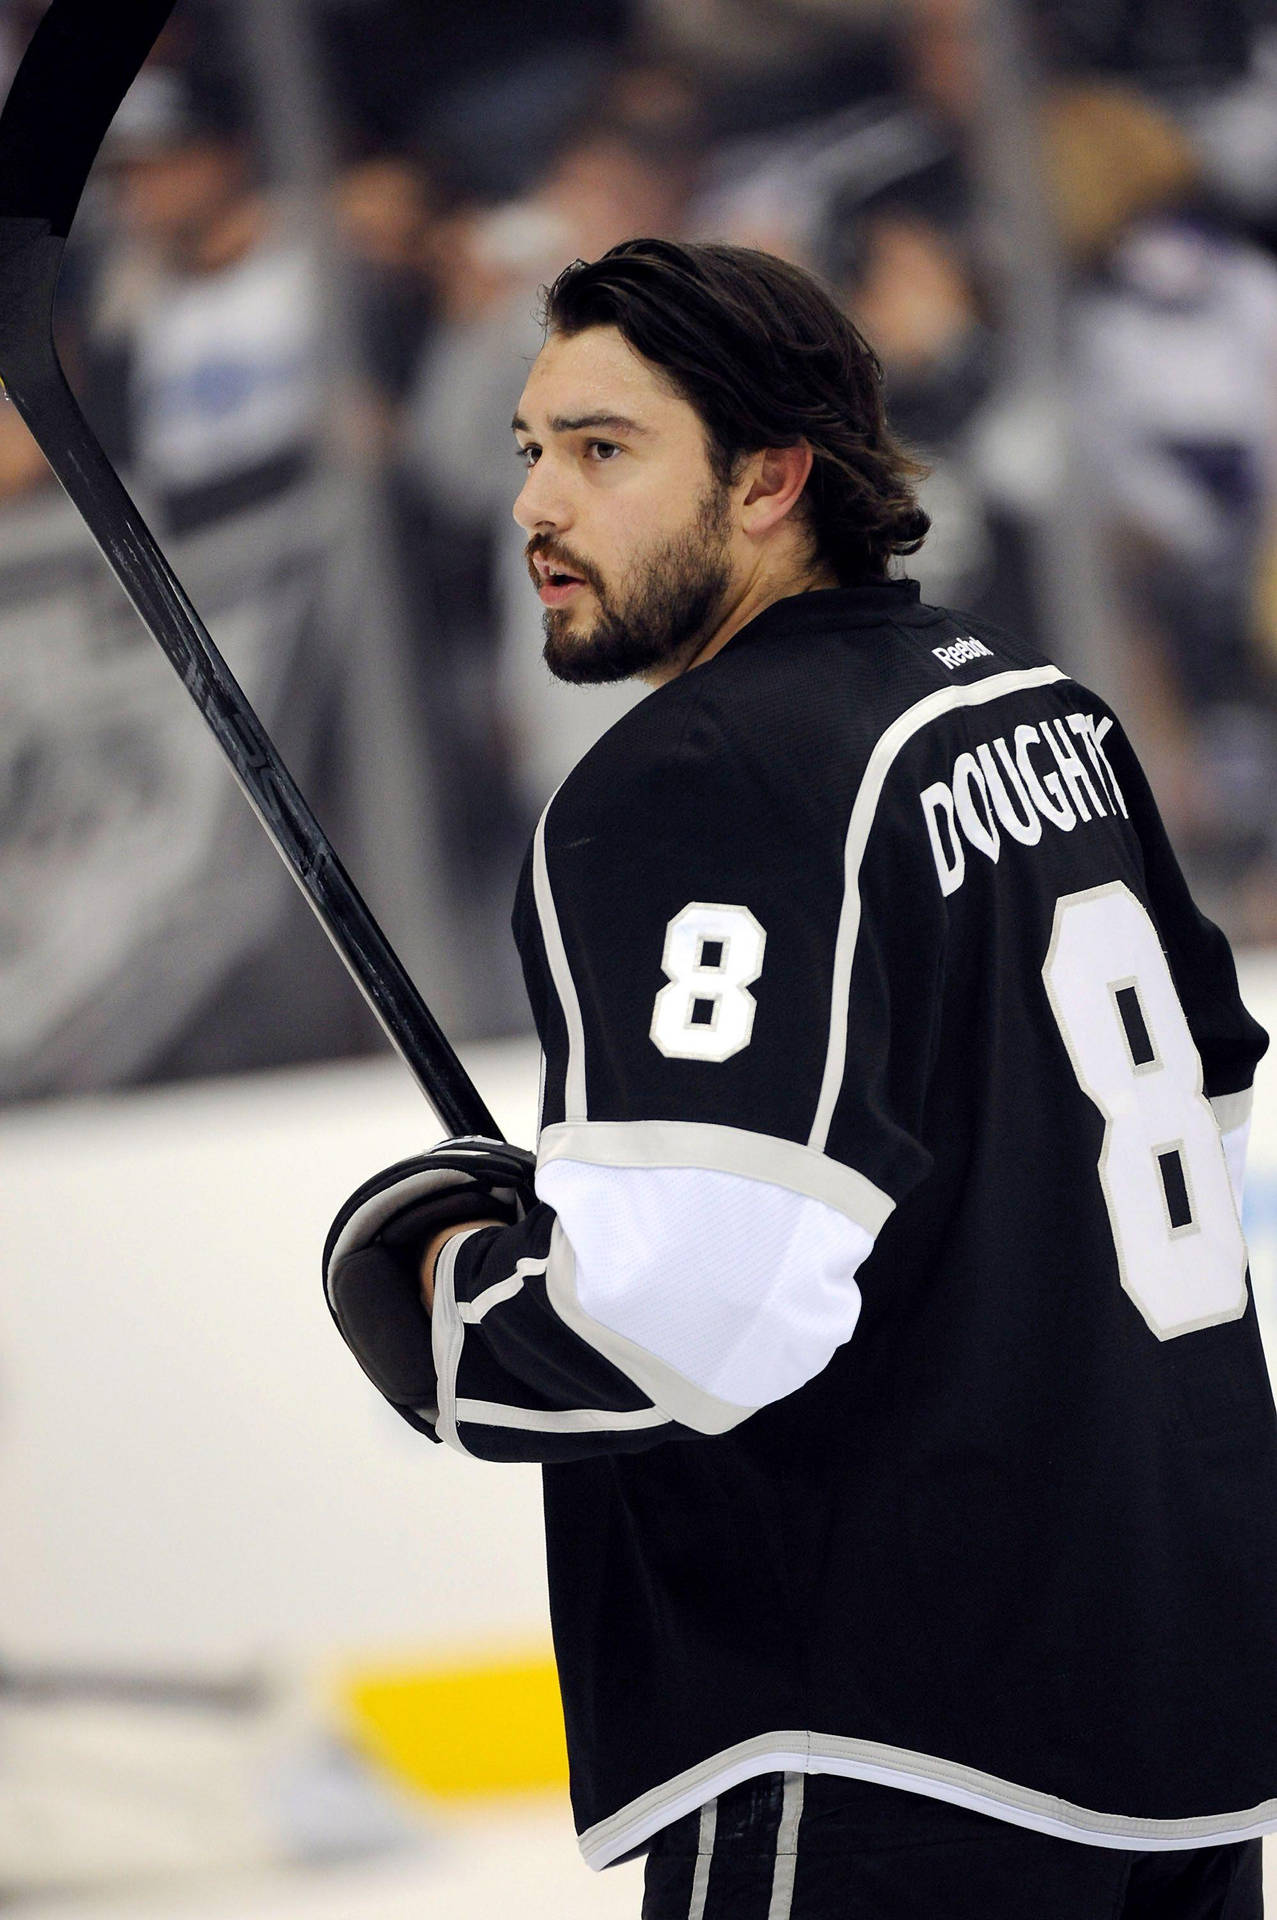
(791, 1813)
(704, 1860)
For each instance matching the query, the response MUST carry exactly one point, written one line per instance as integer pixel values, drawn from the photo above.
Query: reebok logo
(960, 652)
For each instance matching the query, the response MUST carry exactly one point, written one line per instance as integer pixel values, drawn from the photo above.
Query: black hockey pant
(815, 1847)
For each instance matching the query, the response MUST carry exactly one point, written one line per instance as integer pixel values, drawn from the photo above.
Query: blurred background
(298, 306)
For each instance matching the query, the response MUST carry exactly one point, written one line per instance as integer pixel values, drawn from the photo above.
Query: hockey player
(879, 1306)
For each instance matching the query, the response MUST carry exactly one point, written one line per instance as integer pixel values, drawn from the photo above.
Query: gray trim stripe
(912, 1773)
(668, 1389)
(447, 1336)
(863, 811)
(472, 1311)
(490, 1413)
(717, 1149)
(661, 1806)
(704, 1860)
(561, 973)
(786, 1869)
(1232, 1110)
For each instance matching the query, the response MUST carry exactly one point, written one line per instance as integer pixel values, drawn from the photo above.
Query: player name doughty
(1055, 771)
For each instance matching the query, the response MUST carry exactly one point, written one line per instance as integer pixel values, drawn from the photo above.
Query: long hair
(767, 359)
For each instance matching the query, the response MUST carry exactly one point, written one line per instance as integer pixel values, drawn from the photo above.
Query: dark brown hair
(766, 358)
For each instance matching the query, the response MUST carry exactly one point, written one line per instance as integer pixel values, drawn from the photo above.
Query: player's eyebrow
(577, 422)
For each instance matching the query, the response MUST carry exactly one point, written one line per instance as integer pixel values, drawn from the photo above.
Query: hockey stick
(81, 62)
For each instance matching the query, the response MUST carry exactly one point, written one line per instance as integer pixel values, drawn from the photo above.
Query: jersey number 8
(1180, 1250)
(713, 954)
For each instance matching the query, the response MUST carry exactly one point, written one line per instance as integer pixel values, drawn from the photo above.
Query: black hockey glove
(372, 1257)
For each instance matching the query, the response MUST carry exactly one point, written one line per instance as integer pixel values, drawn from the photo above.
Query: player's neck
(762, 589)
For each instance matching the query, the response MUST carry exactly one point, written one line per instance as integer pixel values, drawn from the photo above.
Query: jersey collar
(827, 609)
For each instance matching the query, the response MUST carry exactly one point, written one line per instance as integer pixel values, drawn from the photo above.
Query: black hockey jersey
(884, 1324)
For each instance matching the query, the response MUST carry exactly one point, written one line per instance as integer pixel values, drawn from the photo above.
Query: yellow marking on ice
(450, 1730)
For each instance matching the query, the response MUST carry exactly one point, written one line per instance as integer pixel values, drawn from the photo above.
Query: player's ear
(775, 478)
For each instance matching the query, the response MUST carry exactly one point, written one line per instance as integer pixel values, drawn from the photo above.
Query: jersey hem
(624, 1831)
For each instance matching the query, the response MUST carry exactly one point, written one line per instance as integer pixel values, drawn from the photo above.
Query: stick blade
(82, 60)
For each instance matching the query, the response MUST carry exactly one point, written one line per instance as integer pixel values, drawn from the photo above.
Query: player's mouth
(556, 584)
(558, 588)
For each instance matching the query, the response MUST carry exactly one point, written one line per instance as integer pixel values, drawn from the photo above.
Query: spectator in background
(482, 84)
(767, 64)
(385, 207)
(1175, 342)
(903, 264)
(205, 378)
(1235, 130)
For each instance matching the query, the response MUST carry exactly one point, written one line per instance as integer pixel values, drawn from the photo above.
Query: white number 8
(1179, 1243)
(712, 956)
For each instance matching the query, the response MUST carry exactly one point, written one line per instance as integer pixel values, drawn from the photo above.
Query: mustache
(543, 546)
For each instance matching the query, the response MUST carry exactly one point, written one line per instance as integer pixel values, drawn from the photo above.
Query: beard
(661, 614)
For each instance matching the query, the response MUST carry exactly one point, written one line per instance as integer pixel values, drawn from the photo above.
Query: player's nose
(542, 506)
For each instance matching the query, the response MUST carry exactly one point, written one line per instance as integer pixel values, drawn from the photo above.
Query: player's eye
(603, 449)
(529, 455)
